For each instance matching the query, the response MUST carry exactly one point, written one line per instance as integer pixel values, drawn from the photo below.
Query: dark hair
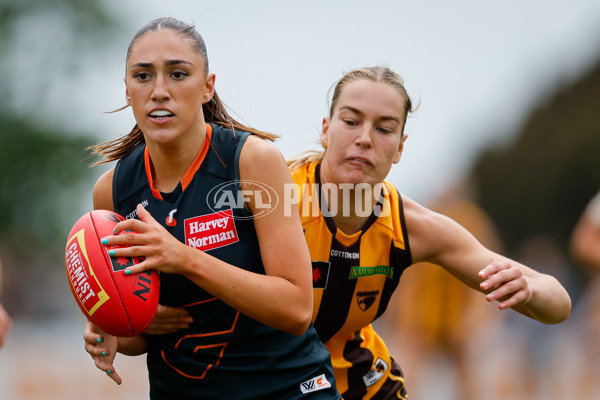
(375, 74)
(214, 111)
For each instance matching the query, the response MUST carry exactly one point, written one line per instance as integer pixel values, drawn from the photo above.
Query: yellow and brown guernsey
(353, 279)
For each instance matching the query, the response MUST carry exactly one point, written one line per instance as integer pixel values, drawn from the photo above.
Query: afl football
(119, 304)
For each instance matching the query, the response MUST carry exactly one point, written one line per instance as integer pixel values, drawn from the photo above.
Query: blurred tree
(40, 170)
(50, 33)
(540, 183)
(85, 16)
(39, 164)
(43, 167)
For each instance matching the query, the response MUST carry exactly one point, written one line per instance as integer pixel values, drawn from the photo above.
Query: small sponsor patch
(347, 255)
(373, 376)
(317, 383)
(211, 231)
(171, 221)
(358, 272)
(366, 299)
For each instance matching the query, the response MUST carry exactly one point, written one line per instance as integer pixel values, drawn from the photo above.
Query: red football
(119, 304)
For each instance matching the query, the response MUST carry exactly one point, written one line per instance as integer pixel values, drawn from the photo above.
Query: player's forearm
(549, 303)
(133, 346)
(272, 300)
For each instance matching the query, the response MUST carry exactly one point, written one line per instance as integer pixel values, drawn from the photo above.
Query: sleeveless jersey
(353, 280)
(223, 354)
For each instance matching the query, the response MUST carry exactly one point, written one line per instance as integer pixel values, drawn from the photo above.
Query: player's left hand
(506, 284)
(169, 320)
(103, 349)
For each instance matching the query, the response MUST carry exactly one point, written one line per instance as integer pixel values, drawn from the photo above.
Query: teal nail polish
(109, 371)
(127, 272)
(104, 353)
(99, 340)
(104, 241)
(111, 252)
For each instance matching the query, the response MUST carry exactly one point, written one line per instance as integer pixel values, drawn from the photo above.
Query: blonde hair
(376, 74)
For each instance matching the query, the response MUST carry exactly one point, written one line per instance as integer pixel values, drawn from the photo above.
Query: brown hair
(214, 111)
(375, 74)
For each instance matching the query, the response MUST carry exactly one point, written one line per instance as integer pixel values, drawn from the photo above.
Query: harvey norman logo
(211, 231)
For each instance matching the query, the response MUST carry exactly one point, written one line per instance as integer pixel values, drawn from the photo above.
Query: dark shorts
(393, 388)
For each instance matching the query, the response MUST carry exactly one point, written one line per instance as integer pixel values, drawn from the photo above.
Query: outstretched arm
(440, 240)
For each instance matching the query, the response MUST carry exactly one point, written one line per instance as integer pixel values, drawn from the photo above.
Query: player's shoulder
(102, 192)
(431, 233)
(416, 214)
(259, 156)
(257, 147)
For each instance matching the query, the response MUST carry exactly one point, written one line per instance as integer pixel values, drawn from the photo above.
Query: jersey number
(212, 343)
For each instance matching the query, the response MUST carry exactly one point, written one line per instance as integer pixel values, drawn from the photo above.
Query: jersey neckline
(191, 171)
(329, 220)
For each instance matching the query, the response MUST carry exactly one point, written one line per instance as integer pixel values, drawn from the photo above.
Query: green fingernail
(127, 272)
(99, 340)
(109, 371)
(104, 241)
(104, 353)
(111, 252)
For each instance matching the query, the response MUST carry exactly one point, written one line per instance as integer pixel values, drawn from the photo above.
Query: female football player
(244, 281)
(362, 233)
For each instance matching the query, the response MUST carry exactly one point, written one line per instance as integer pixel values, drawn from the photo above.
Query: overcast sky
(477, 67)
